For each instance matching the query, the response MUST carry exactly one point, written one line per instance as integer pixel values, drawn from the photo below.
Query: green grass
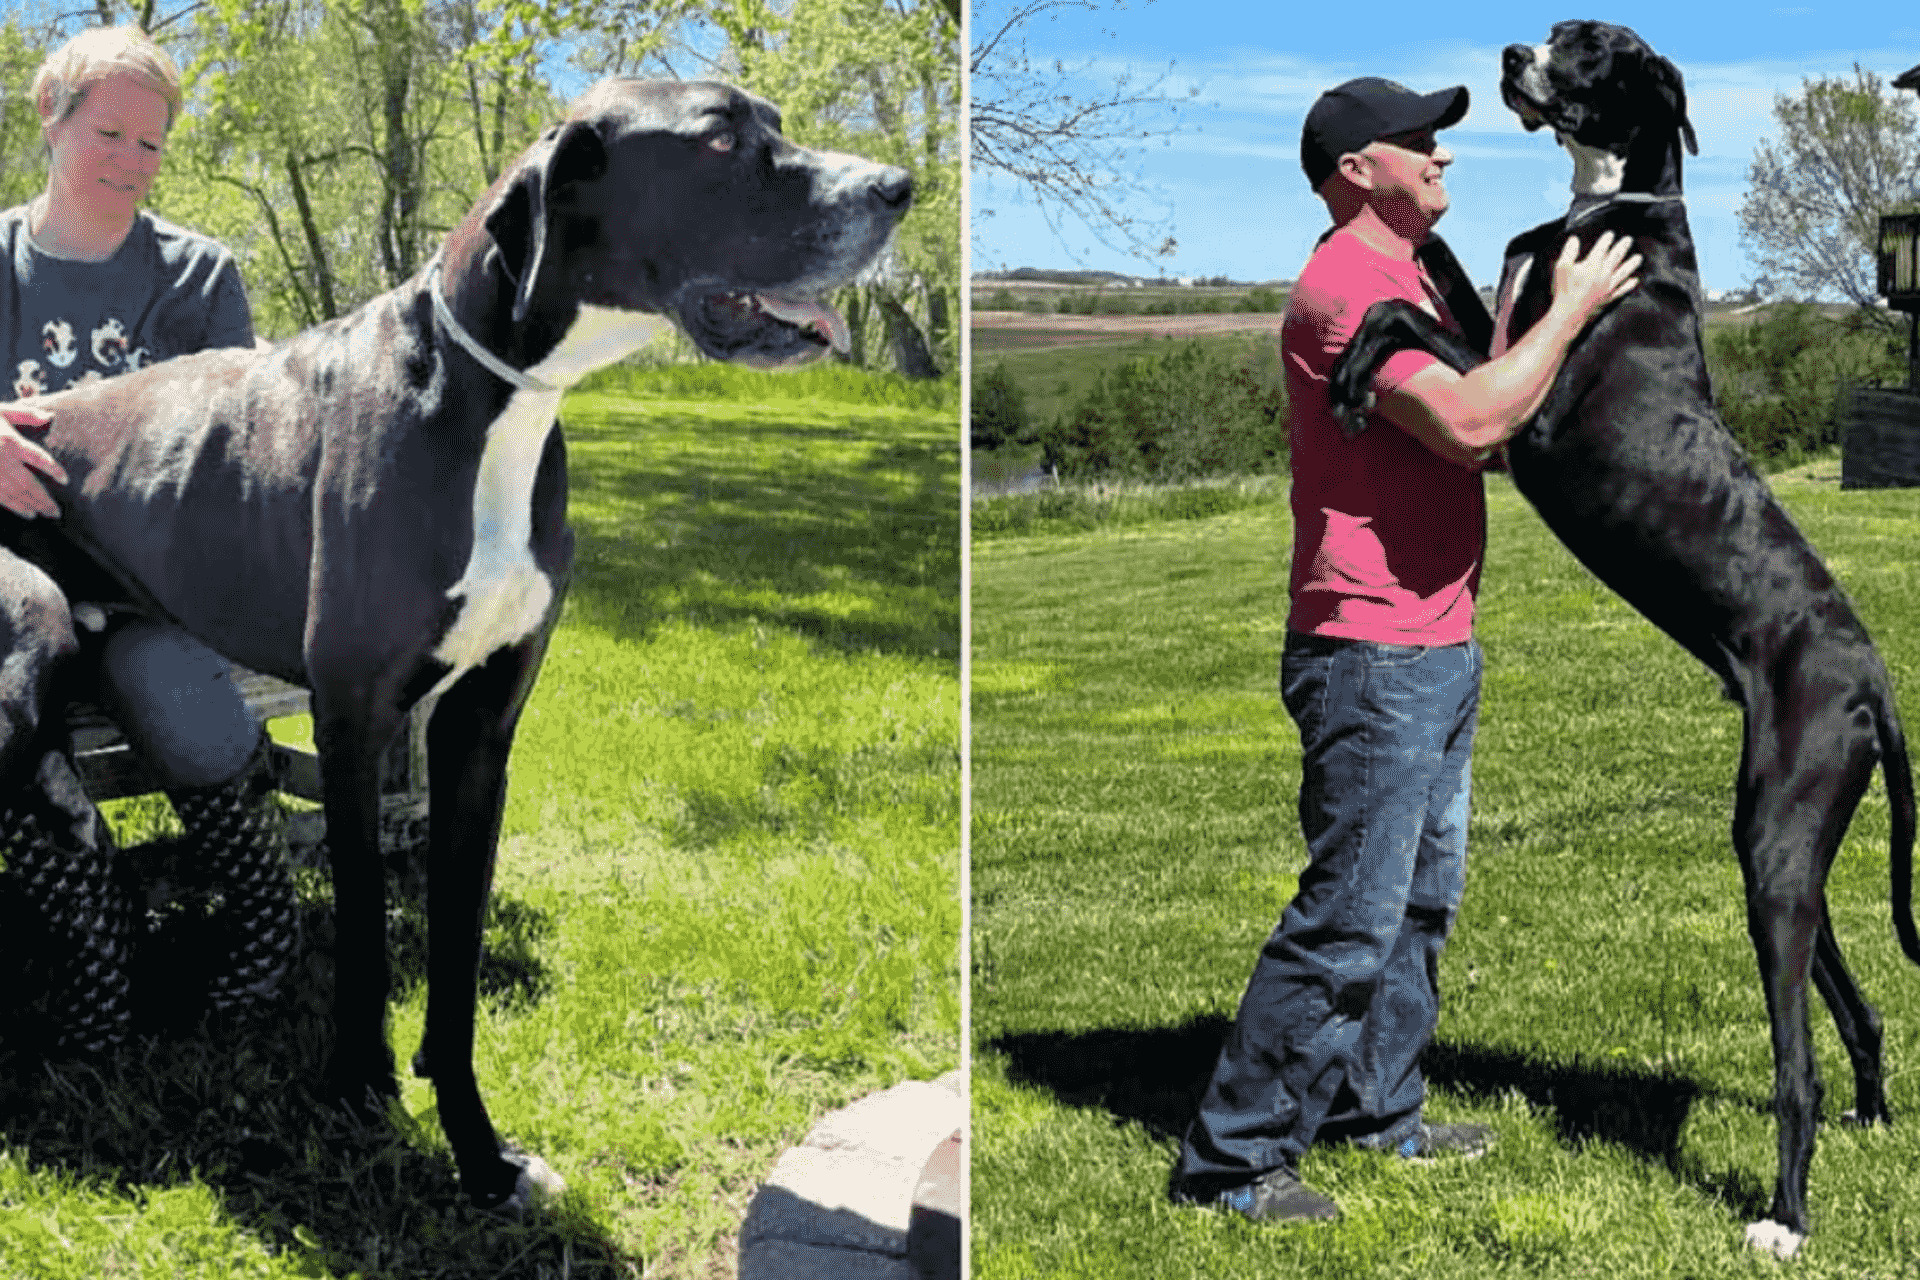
(726, 899)
(1135, 838)
(1086, 505)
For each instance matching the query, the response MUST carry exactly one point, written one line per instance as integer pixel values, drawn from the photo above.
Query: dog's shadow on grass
(243, 1109)
(1155, 1077)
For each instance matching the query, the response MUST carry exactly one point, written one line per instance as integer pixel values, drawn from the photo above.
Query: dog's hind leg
(351, 743)
(1799, 782)
(1859, 1026)
(1852, 748)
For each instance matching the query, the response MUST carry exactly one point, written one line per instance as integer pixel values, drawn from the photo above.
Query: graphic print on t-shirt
(107, 347)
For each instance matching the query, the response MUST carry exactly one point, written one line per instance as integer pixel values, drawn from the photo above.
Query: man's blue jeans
(1346, 992)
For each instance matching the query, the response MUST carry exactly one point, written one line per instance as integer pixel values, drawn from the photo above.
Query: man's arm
(1464, 417)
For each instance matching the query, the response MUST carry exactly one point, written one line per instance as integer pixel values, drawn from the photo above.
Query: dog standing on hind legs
(1629, 465)
(376, 509)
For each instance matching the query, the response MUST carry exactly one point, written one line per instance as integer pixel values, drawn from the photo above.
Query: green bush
(1781, 383)
(1194, 410)
(999, 410)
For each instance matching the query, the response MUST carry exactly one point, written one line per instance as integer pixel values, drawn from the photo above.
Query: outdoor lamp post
(1899, 280)
(1899, 265)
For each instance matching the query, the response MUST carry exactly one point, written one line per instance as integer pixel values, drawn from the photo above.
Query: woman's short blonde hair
(61, 84)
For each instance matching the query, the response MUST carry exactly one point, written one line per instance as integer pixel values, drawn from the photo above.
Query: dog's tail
(1893, 758)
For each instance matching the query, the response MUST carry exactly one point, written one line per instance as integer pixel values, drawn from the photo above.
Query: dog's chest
(503, 594)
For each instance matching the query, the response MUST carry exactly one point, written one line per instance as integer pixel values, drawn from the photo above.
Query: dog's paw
(1873, 1117)
(1781, 1241)
(90, 616)
(1352, 416)
(537, 1184)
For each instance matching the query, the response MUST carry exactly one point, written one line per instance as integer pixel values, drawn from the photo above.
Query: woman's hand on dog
(23, 464)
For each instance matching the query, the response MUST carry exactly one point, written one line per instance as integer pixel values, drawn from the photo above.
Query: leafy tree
(1848, 153)
(999, 412)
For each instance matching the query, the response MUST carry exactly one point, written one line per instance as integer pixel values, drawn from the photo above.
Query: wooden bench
(110, 769)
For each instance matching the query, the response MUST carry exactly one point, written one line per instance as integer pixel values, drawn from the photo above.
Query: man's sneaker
(1274, 1196)
(1467, 1141)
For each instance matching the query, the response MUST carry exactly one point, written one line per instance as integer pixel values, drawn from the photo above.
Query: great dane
(1630, 466)
(376, 509)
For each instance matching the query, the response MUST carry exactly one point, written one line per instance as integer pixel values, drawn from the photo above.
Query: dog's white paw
(1782, 1242)
(537, 1184)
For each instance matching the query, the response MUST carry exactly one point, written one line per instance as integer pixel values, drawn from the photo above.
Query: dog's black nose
(892, 190)
(1514, 59)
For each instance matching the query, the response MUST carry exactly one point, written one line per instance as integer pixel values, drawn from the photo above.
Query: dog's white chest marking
(503, 593)
(1596, 171)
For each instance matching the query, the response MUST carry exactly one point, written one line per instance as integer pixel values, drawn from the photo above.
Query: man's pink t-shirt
(1388, 536)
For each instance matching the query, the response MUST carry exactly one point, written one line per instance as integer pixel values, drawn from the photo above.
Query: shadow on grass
(760, 525)
(1155, 1077)
(242, 1108)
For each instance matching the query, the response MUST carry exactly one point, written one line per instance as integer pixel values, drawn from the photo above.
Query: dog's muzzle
(763, 330)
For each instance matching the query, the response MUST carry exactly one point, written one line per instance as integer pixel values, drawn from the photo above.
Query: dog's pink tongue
(801, 312)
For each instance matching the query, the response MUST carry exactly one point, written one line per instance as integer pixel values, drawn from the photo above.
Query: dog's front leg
(468, 741)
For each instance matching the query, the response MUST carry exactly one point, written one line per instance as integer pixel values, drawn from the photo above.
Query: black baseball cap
(1347, 117)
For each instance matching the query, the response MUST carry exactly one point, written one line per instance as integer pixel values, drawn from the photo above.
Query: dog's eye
(721, 142)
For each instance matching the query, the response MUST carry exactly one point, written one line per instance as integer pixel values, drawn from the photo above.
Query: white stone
(839, 1204)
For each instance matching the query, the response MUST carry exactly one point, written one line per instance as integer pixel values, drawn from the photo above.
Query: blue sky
(1241, 206)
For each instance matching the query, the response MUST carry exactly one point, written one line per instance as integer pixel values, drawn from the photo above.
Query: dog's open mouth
(1532, 115)
(765, 330)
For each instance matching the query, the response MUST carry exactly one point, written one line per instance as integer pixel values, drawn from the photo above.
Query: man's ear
(1355, 168)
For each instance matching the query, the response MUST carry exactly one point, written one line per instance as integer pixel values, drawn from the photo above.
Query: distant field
(1055, 358)
(1055, 375)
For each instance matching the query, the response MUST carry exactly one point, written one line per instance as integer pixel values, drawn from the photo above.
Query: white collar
(494, 364)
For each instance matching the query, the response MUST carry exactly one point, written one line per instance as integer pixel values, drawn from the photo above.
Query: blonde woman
(92, 286)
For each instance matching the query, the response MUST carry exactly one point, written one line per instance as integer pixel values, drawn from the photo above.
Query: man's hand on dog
(1585, 285)
(22, 463)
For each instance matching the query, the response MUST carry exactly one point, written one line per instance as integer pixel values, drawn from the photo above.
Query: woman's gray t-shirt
(165, 292)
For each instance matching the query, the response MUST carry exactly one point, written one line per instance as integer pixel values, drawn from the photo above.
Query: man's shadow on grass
(242, 1109)
(1155, 1077)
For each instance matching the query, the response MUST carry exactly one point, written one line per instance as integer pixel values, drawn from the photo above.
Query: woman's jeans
(1346, 992)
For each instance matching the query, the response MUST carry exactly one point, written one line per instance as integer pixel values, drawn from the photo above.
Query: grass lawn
(726, 900)
(1135, 838)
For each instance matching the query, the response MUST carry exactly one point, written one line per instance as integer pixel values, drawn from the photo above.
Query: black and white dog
(1629, 464)
(376, 509)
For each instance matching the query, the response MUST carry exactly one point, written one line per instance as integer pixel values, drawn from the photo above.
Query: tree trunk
(910, 353)
(320, 270)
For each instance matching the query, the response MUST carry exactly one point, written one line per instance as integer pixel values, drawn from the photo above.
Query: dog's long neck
(1649, 172)
(1653, 163)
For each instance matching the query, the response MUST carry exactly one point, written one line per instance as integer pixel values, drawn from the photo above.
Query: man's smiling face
(1409, 170)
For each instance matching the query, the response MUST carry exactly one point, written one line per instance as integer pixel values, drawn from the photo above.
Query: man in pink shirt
(1380, 673)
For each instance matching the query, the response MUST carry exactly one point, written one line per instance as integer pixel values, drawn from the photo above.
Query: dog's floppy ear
(519, 223)
(1666, 77)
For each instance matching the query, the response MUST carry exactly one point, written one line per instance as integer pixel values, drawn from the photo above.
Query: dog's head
(683, 199)
(1601, 87)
